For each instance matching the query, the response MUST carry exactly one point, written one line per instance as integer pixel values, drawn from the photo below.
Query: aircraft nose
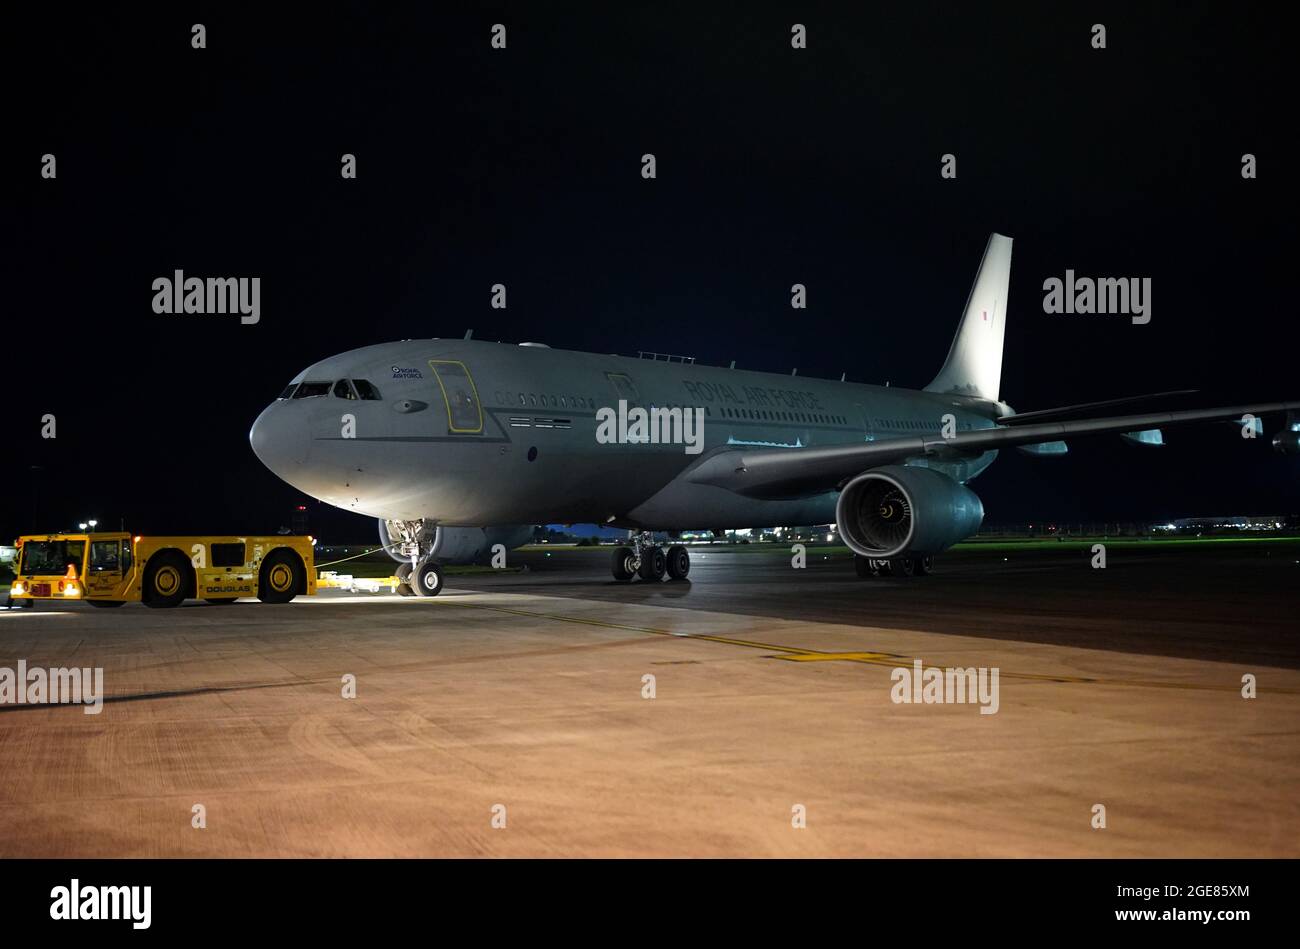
(280, 439)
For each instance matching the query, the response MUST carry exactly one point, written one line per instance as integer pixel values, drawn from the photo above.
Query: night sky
(522, 166)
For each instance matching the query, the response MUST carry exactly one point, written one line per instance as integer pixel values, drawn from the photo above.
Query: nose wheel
(413, 541)
(426, 579)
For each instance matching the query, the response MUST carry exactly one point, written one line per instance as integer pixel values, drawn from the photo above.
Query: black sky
(522, 166)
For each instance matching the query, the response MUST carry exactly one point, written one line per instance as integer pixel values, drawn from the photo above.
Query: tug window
(104, 555)
(227, 555)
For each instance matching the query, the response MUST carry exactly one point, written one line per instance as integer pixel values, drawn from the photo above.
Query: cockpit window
(343, 390)
(309, 390)
(366, 390)
(288, 391)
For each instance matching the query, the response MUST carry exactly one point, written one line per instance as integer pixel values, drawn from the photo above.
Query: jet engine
(458, 545)
(898, 511)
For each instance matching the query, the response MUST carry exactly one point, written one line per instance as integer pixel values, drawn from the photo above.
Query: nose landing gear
(414, 540)
(649, 561)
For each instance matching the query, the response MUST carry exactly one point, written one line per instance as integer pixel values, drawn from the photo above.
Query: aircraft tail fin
(974, 366)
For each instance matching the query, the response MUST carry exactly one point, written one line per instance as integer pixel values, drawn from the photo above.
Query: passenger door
(464, 414)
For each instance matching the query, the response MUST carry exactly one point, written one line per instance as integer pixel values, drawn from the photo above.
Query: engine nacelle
(459, 545)
(899, 511)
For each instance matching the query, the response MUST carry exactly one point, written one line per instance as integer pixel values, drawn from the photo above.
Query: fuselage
(472, 433)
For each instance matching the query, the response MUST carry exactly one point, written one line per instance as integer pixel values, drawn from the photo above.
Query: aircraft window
(365, 390)
(564, 403)
(343, 390)
(288, 392)
(532, 399)
(310, 390)
(522, 400)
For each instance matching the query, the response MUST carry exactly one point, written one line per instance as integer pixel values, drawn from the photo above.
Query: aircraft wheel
(901, 567)
(654, 563)
(621, 564)
(923, 566)
(865, 567)
(884, 568)
(403, 574)
(105, 603)
(679, 562)
(427, 579)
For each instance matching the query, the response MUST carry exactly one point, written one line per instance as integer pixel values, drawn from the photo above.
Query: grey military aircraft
(458, 445)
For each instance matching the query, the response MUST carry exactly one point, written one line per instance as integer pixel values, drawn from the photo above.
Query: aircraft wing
(795, 472)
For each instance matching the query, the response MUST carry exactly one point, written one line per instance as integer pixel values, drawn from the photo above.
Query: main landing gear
(897, 567)
(649, 561)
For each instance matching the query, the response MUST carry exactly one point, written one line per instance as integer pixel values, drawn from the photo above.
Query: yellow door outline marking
(478, 404)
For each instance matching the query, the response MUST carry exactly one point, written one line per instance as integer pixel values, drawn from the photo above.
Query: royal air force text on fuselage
(753, 396)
